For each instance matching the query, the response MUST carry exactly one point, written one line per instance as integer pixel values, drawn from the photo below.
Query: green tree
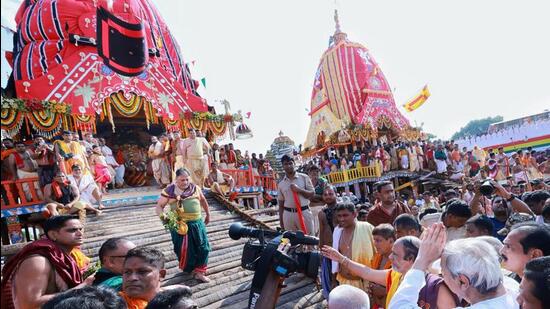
(476, 127)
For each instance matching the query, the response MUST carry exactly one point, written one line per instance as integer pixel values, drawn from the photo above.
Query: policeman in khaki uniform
(298, 183)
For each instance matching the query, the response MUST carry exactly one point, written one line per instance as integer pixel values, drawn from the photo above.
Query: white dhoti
(86, 188)
(161, 171)
(196, 168)
(441, 166)
(26, 188)
(177, 165)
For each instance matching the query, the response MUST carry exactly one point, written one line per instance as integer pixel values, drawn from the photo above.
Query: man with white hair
(348, 297)
(470, 268)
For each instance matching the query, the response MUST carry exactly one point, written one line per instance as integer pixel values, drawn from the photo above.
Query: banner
(418, 100)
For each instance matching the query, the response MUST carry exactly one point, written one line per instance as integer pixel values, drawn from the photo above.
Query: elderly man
(348, 297)
(470, 268)
(87, 187)
(111, 255)
(404, 252)
(44, 267)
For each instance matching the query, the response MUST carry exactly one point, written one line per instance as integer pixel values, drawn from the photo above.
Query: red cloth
(231, 157)
(63, 263)
(18, 161)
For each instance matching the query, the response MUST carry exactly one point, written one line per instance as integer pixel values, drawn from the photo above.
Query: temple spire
(338, 34)
(337, 22)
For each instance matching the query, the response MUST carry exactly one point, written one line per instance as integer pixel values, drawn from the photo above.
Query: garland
(31, 105)
(218, 128)
(11, 120)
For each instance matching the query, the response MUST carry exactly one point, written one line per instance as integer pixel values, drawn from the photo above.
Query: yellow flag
(418, 100)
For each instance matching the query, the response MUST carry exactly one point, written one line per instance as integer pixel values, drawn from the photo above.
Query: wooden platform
(130, 213)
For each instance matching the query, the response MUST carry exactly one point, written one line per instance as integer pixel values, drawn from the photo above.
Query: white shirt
(406, 296)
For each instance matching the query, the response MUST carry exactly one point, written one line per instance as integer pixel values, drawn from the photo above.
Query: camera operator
(517, 204)
(295, 190)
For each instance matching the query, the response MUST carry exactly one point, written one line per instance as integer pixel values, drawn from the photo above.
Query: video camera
(273, 260)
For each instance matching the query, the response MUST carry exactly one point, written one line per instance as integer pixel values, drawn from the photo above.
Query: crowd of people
(443, 158)
(45, 275)
(474, 246)
(91, 166)
(483, 244)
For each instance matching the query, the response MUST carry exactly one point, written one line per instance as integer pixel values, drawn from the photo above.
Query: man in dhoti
(414, 165)
(354, 240)
(189, 233)
(119, 169)
(440, 159)
(87, 187)
(178, 153)
(218, 181)
(161, 170)
(64, 152)
(23, 166)
(194, 150)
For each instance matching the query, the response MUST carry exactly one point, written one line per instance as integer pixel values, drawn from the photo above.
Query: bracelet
(512, 197)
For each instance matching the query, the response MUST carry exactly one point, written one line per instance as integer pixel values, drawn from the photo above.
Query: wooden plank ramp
(230, 283)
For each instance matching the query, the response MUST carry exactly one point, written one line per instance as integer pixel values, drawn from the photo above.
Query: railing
(366, 172)
(246, 178)
(22, 192)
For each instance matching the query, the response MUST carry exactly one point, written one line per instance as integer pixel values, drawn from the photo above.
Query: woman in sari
(189, 236)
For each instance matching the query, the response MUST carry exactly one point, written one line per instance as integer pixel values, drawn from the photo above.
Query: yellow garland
(127, 108)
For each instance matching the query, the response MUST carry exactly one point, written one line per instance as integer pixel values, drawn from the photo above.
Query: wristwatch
(512, 197)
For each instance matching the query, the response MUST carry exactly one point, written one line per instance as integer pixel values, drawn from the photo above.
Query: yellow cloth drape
(362, 252)
(80, 258)
(394, 280)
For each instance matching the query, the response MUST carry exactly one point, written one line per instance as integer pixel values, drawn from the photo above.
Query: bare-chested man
(45, 267)
(354, 240)
(327, 222)
(23, 166)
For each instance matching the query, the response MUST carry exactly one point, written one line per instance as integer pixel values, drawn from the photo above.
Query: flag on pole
(418, 100)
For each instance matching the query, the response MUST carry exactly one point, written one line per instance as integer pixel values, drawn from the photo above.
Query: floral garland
(33, 105)
(212, 117)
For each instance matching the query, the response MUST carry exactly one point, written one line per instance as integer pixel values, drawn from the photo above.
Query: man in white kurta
(178, 154)
(161, 170)
(194, 151)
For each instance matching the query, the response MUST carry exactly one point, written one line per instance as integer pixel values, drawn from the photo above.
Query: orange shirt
(133, 303)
